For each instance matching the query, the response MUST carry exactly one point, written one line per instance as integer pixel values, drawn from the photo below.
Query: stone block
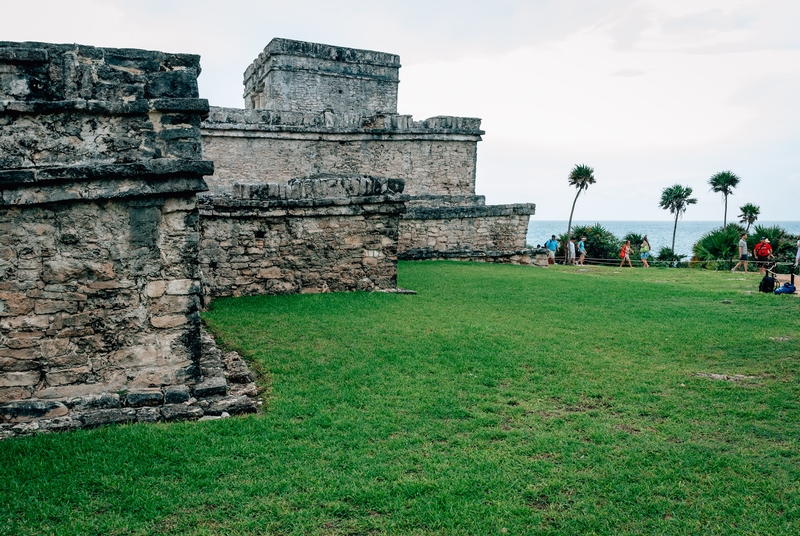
(238, 372)
(233, 405)
(54, 347)
(155, 289)
(176, 394)
(15, 303)
(19, 379)
(144, 397)
(168, 321)
(68, 376)
(172, 412)
(183, 286)
(148, 414)
(28, 410)
(210, 387)
(95, 401)
(7, 394)
(98, 417)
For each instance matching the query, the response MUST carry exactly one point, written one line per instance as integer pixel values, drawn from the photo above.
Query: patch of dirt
(780, 339)
(726, 377)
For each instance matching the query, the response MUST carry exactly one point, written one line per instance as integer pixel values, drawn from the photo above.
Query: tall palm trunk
(674, 228)
(569, 225)
(725, 214)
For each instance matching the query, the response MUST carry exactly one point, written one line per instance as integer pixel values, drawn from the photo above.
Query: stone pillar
(100, 162)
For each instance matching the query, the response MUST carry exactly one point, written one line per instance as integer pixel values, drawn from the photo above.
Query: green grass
(500, 399)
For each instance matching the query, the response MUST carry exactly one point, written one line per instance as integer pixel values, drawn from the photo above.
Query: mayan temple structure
(318, 110)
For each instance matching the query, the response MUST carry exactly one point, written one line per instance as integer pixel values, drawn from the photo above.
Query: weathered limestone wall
(315, 235)
(435, 156)
(99, 282)
(296, 76)
(457, 230)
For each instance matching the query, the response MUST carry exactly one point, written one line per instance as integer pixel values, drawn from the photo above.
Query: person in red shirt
(763, 252)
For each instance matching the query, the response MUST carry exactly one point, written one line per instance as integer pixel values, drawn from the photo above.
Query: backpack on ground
(767, 284)
(787, 288)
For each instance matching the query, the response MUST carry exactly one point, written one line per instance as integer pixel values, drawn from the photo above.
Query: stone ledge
(154, 169)
(97, 107)
(319, 187)
(477, 211)
(33, 194)
(222, 207)
(280, 121)
(522, 256)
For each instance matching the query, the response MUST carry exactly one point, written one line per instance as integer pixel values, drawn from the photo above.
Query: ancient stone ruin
(315, 235)
(316, 109)
(100, 164)
(109, 246)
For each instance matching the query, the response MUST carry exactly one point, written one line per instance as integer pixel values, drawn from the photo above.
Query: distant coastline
(659, 233)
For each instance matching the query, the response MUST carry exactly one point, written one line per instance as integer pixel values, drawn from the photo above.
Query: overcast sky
(649, 93)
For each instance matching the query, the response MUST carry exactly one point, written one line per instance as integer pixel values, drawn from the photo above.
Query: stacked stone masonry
(292, 76)
(317, 235)
(435, 156)
(100, 163)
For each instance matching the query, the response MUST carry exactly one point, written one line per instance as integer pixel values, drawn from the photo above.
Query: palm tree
(749, 215)
(580, 177)
(724, 182)
(676, 199)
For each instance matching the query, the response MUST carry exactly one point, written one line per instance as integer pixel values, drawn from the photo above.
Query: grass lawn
(499, 400)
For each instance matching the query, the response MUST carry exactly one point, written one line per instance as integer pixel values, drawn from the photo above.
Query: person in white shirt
(742, 254)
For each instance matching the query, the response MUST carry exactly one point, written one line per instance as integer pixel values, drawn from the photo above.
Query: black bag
(767, 284)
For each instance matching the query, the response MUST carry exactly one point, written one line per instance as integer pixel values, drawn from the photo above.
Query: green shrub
(666, 255)
(600, 242)
(721, 243)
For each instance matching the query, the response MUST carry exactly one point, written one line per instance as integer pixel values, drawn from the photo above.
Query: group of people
(644, 253)
(762, 252)
(576, 254)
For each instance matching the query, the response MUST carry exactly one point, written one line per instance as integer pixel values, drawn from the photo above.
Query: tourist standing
(571, 259)
(582, 250)
(644, 252)
(763, 251)
(552, 246)
(742, 253)
(797, 257)
(625, 254)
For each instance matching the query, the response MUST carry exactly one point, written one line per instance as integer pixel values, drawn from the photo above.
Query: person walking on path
(644, 252)
(582, 251)
(742, 253)
(625, 254)
(552, 246)
(763, 252)
(571, 258)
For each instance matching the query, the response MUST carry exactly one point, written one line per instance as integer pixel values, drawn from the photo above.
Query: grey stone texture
(435, 156)
(100, 163)
(297, 76)
(315, 235)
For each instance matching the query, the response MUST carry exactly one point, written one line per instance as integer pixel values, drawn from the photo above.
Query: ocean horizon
(659, 233)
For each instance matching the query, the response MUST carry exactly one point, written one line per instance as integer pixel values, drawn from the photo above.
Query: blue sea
(659, 233)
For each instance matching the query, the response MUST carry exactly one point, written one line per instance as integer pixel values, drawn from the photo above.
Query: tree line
(717, 244)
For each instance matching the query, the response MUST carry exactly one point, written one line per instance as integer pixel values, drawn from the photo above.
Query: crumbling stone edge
(227, 387)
